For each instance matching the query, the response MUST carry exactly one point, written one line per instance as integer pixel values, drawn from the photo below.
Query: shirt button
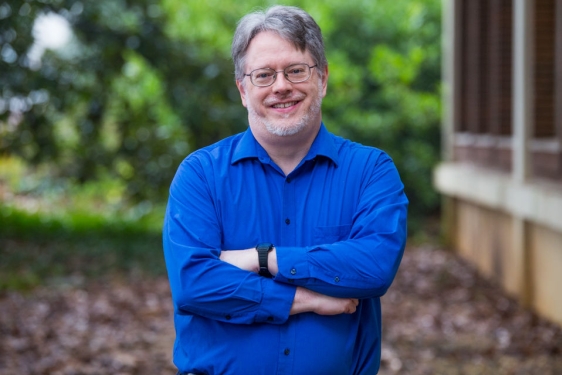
(337, 279)
(228, 317)
(293, 271)
(288, 180)
(270, 319)
(287, 221)
(287, 351)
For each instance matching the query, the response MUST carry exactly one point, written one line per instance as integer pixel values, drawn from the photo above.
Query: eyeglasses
(293, 73)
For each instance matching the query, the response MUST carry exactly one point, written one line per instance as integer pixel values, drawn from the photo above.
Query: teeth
(284, 105)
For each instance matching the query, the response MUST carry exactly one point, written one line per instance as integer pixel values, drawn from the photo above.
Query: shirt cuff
(276, 302)
(292, 263)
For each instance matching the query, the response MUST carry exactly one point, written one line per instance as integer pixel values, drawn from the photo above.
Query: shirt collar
(323, 145)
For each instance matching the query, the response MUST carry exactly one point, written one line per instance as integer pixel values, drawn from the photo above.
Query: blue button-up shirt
(338, 223)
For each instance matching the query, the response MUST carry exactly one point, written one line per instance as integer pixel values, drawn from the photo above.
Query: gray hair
(290, 23)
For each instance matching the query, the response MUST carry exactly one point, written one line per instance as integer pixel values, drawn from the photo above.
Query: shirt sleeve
(363, 265)
(200, 282)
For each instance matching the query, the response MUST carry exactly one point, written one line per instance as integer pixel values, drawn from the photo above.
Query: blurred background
(101, 100)
(99, 103)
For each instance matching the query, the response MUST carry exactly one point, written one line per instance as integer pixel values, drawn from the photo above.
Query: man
(280, 241)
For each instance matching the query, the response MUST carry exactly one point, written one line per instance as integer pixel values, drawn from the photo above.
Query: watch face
(266, 246)
(263, 250)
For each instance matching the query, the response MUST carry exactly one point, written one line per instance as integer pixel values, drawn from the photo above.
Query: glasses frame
(284, 71)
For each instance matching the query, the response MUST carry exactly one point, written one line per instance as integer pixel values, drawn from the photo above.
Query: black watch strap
(263, 250)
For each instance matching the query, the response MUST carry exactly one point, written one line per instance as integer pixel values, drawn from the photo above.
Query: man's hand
(305, 300)
(309, 301)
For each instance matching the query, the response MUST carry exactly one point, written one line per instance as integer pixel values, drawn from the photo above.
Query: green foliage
(384, 87)
(144, 82)
(52, 229)
(151, 147)
(99, 202)
(124, 99)
(38, 248)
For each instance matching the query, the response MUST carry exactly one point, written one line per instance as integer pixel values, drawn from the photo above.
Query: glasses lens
(266, 76)
(297, 73)
(263, 77)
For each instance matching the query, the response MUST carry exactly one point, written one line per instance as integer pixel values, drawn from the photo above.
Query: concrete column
(451, 48)
(558, 73)
(523, 97)
(451, 43)
(523, 57)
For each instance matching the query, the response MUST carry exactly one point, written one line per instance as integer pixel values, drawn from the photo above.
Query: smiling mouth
(284, 105)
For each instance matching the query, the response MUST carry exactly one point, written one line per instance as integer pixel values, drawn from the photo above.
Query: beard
(284, 127)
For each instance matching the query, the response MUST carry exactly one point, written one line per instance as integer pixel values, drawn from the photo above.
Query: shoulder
(215, 154)
(205, 163)
(372, 168)
(351, 152)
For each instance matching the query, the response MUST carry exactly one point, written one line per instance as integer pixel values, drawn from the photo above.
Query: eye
(296, 71)
(263, 74)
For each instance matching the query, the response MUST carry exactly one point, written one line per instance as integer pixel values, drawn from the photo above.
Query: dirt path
(439, 318)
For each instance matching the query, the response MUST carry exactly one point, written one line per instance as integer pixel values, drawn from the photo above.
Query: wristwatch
(263, 250)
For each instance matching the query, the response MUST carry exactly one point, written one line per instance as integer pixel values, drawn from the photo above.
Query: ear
(242, 91)
(325, 81)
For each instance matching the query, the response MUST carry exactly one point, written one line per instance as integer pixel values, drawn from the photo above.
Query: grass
(56, 230)
(37, 249)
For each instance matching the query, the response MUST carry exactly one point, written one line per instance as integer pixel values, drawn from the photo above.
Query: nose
(281, 84)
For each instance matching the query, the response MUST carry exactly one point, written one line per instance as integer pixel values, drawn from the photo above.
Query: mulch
(439, 317)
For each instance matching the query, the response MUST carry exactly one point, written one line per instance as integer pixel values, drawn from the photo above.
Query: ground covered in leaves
(439, 318)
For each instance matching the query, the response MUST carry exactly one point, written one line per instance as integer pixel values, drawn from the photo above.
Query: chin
(284, 130)
(279, 127)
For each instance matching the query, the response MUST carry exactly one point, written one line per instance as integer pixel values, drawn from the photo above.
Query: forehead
(269, 50)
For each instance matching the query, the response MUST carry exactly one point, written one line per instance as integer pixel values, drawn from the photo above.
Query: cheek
(243, 93)
(253, 100)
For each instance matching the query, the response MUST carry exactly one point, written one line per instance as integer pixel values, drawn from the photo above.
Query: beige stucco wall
(511, 230)
(485, 238)
(546, 268)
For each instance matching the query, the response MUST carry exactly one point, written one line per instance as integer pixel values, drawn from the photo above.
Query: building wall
(545, 248)
(484, 237)
(501, 177)
(511, 231)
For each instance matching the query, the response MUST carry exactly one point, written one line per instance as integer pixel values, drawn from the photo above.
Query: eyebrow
(291, 64)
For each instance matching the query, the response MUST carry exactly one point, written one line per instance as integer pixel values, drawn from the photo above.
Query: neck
(287, 151)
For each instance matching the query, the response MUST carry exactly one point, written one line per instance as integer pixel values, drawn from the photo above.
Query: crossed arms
(305, 300)
(222, 284)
